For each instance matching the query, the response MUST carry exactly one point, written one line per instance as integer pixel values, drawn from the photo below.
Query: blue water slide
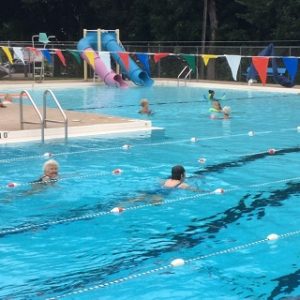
(134, 72)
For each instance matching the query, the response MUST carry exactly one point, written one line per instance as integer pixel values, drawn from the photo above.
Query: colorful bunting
(144, 59)
(105, 57)
(47, 55)
(90, 57)
(191, 60)
(76, 55)
(19, 53)
(34, 50)
(261, 65)
(207, 57)
(291, 64)
(159, 56)
(8, 54)
(124, 56)
(60, 56)
(234, 63)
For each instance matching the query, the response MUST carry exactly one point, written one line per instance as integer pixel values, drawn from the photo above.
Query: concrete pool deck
(86, 124)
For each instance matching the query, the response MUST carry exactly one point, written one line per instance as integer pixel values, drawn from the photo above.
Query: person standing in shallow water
(145, 107)
(177, 178)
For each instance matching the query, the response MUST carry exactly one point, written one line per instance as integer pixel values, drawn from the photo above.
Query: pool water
(61, 241)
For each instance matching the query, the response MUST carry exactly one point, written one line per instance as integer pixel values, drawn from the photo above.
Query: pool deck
(86, 124)
(80, 124)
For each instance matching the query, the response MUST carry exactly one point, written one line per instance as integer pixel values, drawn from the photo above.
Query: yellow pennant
(207, 57)
(91, 58)
(8, 54)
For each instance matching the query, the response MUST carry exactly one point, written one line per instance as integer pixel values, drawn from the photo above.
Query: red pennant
(34, 50)
(261, 65)
(159, 56)
(124, 56)
(60, 56)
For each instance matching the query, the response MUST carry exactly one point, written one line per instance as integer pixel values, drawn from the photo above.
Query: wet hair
(177, 172)
(226, 110)
(144, 101)
(50, 163)
(210, 91)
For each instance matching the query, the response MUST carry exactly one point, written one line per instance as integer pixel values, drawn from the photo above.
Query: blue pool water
(61, 241)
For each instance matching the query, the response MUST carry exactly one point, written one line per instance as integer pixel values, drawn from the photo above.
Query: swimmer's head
(211, 91)
(51, 168)
(144, 102)
(226, 110)
(178, 172)
(7, 97)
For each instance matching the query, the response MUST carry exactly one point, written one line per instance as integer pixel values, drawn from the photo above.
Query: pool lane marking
(135, 169)
(170, 266)
(199, 139)
(132, 208)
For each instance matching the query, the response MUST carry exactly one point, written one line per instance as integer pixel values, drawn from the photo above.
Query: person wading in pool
(50, 172)
(215, 103)
(177, 178)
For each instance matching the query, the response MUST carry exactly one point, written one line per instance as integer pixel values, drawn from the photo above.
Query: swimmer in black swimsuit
(177, 178)
(50, 172)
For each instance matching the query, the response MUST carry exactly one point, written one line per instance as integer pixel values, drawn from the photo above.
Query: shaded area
(286, 285)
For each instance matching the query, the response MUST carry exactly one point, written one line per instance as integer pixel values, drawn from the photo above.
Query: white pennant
(105, 57)
(19, 53)
(234, 63)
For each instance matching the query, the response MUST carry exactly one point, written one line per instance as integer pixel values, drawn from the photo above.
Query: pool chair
(38, 60)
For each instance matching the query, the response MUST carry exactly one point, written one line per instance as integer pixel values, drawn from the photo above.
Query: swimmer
(215, 103)
(145, 107)
(50, 172)
(226, 112)
(7, 99)
(177, 178)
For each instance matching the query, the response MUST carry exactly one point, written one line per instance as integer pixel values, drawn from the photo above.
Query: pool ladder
(43, 116)
(187, 74)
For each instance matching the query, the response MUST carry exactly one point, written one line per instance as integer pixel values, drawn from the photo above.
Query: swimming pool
(62, 241)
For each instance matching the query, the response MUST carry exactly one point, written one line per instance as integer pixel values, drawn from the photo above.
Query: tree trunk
(213, 25)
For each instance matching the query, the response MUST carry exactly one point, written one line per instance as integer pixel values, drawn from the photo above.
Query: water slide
(110, 43)
(280, 79)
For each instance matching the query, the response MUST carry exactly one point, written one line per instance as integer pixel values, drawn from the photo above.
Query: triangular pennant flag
(191, 60)
(19, 53)
(90, 57)
(76, 55)
(60, 56)
(34, 50)
(144, 59)
(234, 63)
(261, 65)
(105, 57)
(124, 56)
(159, 56)
(7, 53)
(291, 63)
(207, 57)
(47, 55)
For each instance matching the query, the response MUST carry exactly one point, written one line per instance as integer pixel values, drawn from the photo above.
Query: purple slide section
(109, 77)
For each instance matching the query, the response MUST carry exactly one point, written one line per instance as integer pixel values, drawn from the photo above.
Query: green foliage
(159, 20)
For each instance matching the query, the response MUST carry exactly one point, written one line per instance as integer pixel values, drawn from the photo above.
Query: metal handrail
(178, 77)
(22, 122)
(187, 75)
(65, 118)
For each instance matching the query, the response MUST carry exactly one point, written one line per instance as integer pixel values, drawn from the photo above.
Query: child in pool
(145, 107)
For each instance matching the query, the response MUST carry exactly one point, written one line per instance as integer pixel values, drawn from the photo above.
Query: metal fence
(170, 66)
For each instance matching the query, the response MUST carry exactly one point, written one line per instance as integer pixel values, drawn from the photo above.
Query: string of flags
(259, 62)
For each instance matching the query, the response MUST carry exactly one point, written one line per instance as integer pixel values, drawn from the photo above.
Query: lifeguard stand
(99, 48)
(38, 59)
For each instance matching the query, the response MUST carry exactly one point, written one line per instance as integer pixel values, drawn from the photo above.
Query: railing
(186, 75)
(65, 119)
(22, 122)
